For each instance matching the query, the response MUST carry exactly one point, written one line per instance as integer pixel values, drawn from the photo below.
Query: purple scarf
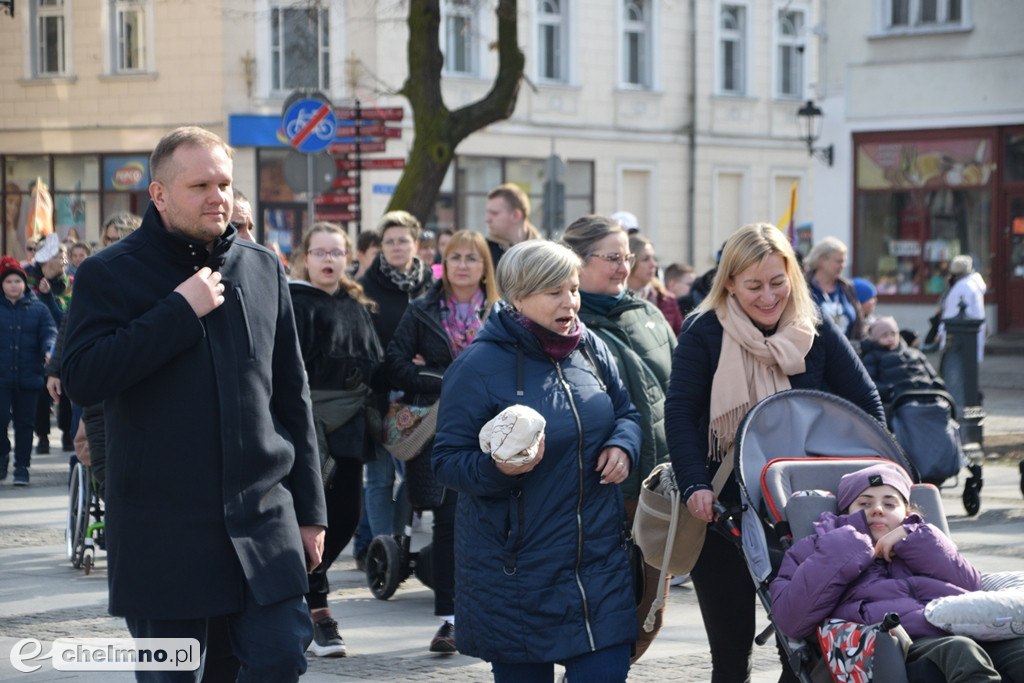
(557, 346)
(461, 329)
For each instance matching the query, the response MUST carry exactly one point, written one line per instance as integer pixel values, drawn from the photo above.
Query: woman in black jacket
(392, 281)
(341, 353)
(434, 330)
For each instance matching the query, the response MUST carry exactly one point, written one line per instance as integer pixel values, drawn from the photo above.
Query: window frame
(559, 24)
(276, 51)
(795, 45)
(915, 23)
(37, 15)
(145, 37)
(644, 31)
(470, 11)
(741, 37)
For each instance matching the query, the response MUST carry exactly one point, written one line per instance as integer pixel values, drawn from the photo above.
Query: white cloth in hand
(513, 435)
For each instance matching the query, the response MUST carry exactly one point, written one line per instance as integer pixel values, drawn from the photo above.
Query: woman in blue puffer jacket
(542, 571)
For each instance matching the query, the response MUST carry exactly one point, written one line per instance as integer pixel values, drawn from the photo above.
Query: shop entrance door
(1011, 302)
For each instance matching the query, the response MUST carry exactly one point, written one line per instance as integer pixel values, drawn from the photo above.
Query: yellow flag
(787, 223)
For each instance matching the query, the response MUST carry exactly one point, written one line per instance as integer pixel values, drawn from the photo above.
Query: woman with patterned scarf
(394, 279)
(758, 332)
(435, 329)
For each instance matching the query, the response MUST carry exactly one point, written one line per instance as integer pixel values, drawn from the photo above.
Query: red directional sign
(336, 199)
(339, 216)
(344, 181)
(369, 164)
(350, 147)
(383, 113)
(375, 130)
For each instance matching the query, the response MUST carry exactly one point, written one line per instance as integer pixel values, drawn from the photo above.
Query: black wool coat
(211, 455)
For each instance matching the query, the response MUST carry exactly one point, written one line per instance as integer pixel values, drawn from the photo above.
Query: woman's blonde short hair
(534, 266)
(751, 245)
(824, 249)
(400, 219)
(475, 240)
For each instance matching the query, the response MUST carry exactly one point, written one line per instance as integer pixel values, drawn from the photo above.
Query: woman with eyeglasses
(643, 279)
(435, 329)
(641, 342)
(393, 280)
(341, 354)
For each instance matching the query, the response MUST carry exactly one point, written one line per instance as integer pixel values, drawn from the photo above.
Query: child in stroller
(879, 556)
(918, 408)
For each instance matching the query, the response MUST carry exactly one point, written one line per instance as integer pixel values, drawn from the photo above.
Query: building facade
(921, 104)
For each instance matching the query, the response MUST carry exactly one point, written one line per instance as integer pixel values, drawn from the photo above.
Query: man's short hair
(514, 196)
(367, 239)
(179, 137)
(677, 270)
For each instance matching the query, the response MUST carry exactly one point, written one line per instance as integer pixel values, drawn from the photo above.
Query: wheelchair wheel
(383, 567)
(79, 499)
(424, 567)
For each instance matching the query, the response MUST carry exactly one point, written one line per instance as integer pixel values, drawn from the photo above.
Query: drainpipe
(691, 189)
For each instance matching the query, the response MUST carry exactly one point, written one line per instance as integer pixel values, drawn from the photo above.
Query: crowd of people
(246, 406)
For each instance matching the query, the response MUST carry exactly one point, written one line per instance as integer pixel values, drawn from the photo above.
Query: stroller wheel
(972, 497)
(424, 568)
(383, 567)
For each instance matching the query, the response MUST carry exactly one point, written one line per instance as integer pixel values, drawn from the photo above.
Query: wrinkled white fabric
(513, 435)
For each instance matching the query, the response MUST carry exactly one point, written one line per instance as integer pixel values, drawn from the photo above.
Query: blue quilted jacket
(541, 567)
(27, 332)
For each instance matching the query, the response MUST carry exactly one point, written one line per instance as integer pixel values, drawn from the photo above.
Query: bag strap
(717, 484)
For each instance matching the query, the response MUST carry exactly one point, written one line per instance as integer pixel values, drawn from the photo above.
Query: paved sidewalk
(43, 597)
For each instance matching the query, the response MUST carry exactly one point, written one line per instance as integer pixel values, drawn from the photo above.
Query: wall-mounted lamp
(811, 117)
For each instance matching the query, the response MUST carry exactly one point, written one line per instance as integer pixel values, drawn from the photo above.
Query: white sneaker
(679, 580)
(327, 641)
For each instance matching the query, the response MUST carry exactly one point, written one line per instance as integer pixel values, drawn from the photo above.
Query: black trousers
(728, 604)
(344, 505)
(443, 554)
(43, 414)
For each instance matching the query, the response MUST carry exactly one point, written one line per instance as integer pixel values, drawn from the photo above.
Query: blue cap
(865, 290)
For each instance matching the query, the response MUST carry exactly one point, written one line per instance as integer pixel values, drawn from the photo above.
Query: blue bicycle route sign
(310, 125)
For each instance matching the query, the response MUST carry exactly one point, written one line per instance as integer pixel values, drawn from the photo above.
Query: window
(790, 49)
(732, 49)
(300, 47)
(922, 15)
(130, 31)
(460, 37)
(636, 43)
(49, 37)
(552, 40)
(921, 199)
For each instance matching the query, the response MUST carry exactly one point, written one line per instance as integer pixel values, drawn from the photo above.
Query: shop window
(476, 176)
(919, 204)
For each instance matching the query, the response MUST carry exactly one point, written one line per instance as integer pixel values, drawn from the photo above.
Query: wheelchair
(83, 533)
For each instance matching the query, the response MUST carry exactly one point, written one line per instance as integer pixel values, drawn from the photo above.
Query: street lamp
(811, 117)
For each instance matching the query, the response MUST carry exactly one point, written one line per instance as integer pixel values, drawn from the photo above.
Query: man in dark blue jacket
(213, 485)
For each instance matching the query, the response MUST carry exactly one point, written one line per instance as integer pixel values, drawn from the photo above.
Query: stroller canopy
(800, 423)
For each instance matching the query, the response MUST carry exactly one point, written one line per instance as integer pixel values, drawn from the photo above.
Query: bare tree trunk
(437, 130)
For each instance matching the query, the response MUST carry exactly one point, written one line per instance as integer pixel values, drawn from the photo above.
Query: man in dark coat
(213, 490)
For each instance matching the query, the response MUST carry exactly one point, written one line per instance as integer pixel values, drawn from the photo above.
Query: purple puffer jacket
(834, 574)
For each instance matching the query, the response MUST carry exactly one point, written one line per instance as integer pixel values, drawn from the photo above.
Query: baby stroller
(804, 441)
(390, 559)
(83, 532)
(923, 422)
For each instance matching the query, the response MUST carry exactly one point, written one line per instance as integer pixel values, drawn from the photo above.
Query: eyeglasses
(324, 253)
(30, 249)
(617, 259)
(468, 259)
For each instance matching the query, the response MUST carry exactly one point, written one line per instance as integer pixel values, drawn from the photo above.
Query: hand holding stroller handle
(724, 518)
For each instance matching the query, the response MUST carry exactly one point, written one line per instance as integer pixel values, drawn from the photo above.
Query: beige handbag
(667, 534)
